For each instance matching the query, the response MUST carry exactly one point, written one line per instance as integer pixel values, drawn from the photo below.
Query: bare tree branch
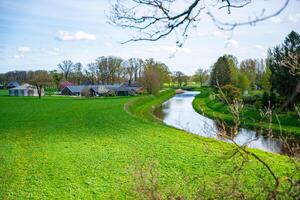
(156, 19)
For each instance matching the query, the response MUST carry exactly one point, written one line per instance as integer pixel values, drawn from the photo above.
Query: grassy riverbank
(204, 103)
(143, 107)
(77, 148)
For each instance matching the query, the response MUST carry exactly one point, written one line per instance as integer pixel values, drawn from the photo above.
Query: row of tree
(279, 73)
(105, 70)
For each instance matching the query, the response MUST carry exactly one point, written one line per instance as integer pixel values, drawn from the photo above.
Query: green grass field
(250, 117)
(76, 148)
(3, 92)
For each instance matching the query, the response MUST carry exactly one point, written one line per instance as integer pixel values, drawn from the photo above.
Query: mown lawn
(72, 148)
(250, 117)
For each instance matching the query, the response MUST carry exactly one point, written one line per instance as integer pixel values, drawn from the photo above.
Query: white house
(24, 90)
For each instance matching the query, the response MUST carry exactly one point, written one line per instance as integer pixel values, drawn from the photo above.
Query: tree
(201, 76)
(92, 73)
(39, 78)
(156, 19)
(77, 69)
(224, 72)
(244, 83)
(109, 69)
(66, 67)
(285, 68)
(178, 77)
(265, 82)
(248, 68)
(132, 67)
(155, 74)
(56, 77)
(231, 93)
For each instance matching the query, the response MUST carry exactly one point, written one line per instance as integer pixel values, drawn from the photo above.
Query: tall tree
(285, 67)
(66, 67)
(92, 72)
(77, 69)
(224, 72)
(40, 79)
(178, 77)
(133, 69)
(201, 76)
(248, 68)
(56, 77)
(154, 76)
(244, 83)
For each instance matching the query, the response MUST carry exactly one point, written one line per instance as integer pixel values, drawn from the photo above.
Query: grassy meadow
(77, 148)
(3, 92)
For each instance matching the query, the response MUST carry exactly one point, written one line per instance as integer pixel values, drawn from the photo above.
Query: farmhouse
(98, 90)
(24, 90)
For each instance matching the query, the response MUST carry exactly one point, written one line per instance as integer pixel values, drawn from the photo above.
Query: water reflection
(179, 112)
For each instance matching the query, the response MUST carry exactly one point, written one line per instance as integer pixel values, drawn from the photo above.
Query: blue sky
(38, 34)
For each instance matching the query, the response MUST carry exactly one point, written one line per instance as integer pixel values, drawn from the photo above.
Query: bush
(265, 100)
(231, 92)
(258, 105)
(273, 99)
(251, 99)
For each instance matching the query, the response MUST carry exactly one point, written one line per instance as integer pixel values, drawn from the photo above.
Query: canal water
(179, 112)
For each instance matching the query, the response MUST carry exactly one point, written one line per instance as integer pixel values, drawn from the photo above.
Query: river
(179, 112)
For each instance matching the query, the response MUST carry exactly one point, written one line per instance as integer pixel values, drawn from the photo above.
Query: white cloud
(80, 35)
(108, 44)
(23, 49)
(294, 18)
(275, 20)
(232, 44)
(257, 46)
(170, 49)
(19, 56)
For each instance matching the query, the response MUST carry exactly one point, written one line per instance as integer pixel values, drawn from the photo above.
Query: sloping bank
(250, 118)
(143, 107)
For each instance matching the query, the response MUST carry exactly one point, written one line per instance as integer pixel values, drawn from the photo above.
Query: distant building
(98, 90)
(12, 84)
(72, 90)
(24, 90)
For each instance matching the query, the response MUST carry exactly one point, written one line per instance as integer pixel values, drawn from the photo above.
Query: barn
(97, 90)
(24, 90)
(12, 84)
(72, 90)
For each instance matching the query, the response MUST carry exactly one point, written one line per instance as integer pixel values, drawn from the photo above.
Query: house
(24, 90)
(72, 90)
(97, 90)
(12, 84)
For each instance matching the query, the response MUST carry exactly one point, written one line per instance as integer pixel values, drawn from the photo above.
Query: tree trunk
(39, 90)
(292, 98)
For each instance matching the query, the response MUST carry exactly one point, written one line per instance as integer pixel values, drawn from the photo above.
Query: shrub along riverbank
(206, 103)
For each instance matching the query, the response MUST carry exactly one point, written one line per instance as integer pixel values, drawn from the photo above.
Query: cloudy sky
(38, 34)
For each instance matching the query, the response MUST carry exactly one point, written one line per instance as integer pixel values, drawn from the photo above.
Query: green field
(250, 117)
(76, 148)
(3, 92)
